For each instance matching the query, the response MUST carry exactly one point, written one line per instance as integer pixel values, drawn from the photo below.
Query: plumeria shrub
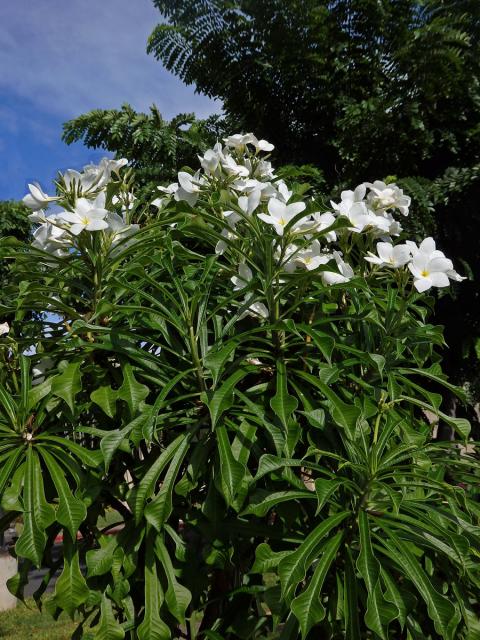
(225, 405)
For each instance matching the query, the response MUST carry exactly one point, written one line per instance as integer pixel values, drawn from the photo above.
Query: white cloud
(70, 56)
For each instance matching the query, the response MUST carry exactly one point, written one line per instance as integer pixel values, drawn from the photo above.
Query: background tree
(155, 147)
(14, 223)
(13, 220)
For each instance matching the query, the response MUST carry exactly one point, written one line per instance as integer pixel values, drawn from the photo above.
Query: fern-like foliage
(15, 224)
(155, 147)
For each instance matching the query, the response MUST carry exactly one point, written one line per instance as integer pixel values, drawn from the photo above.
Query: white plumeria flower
(359, 216)
(210, 161)
(284, 192)
(280, 214)
(244, 277)
(73, 178)
(232, 168)
(239, 140)
(427, 247)
(312, 257)
(344, 275)
(267, 189)
(322, 221)
(264, 170)
(394, 228)
(88, 215)
(257, 309)
(189, 189)
(38, 217)
(389, 255)
(222, 245)
(249, 203)
(51, 238)
(117, 228)
(288, 263)
(4, 328)
(348, 199)
(94, 176)
(456, 277)
(383, 197)
(168, 191)
(98, 176)
(37, 198)
(232, 217)
(263, 145)
(429, 272)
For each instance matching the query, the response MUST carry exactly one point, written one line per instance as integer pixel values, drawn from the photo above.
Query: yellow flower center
(425, 274)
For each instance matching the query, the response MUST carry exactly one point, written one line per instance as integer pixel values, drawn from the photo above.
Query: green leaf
(345, 415)
(147, 484)
(152, 626)
(266, 559)
(45, 513)
(379, 362)
(38, 392)
(215, 360)
(110, 443)
(25, 384)
(31, 542)
(440, 609)
(461, 425)
(105, 398)
(8, 468)
(262, 500)
(282, 403)
(17, 583)
(89, 457)
(293, 568)
(177, 597)
(99, 561)
(323, 341)
(159, 509)
(428, 373)
(8, 407)
(222, 398)
(67, 384)
(71, 590)
(231, 471)
(108, 627)
(270, 463)
(393, 595)
(350, 593)
(132, 391)
(379, 612)
(71, 511)
(324, 489)
(307, 607)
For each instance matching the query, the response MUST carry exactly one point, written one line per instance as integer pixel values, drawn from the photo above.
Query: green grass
(27, 623)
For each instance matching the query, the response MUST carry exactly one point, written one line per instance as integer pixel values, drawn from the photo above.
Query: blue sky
(61, 58)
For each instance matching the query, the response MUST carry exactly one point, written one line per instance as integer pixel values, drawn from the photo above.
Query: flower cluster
(429, 266)
(304, 235)
(307, 238)
(83, 196)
